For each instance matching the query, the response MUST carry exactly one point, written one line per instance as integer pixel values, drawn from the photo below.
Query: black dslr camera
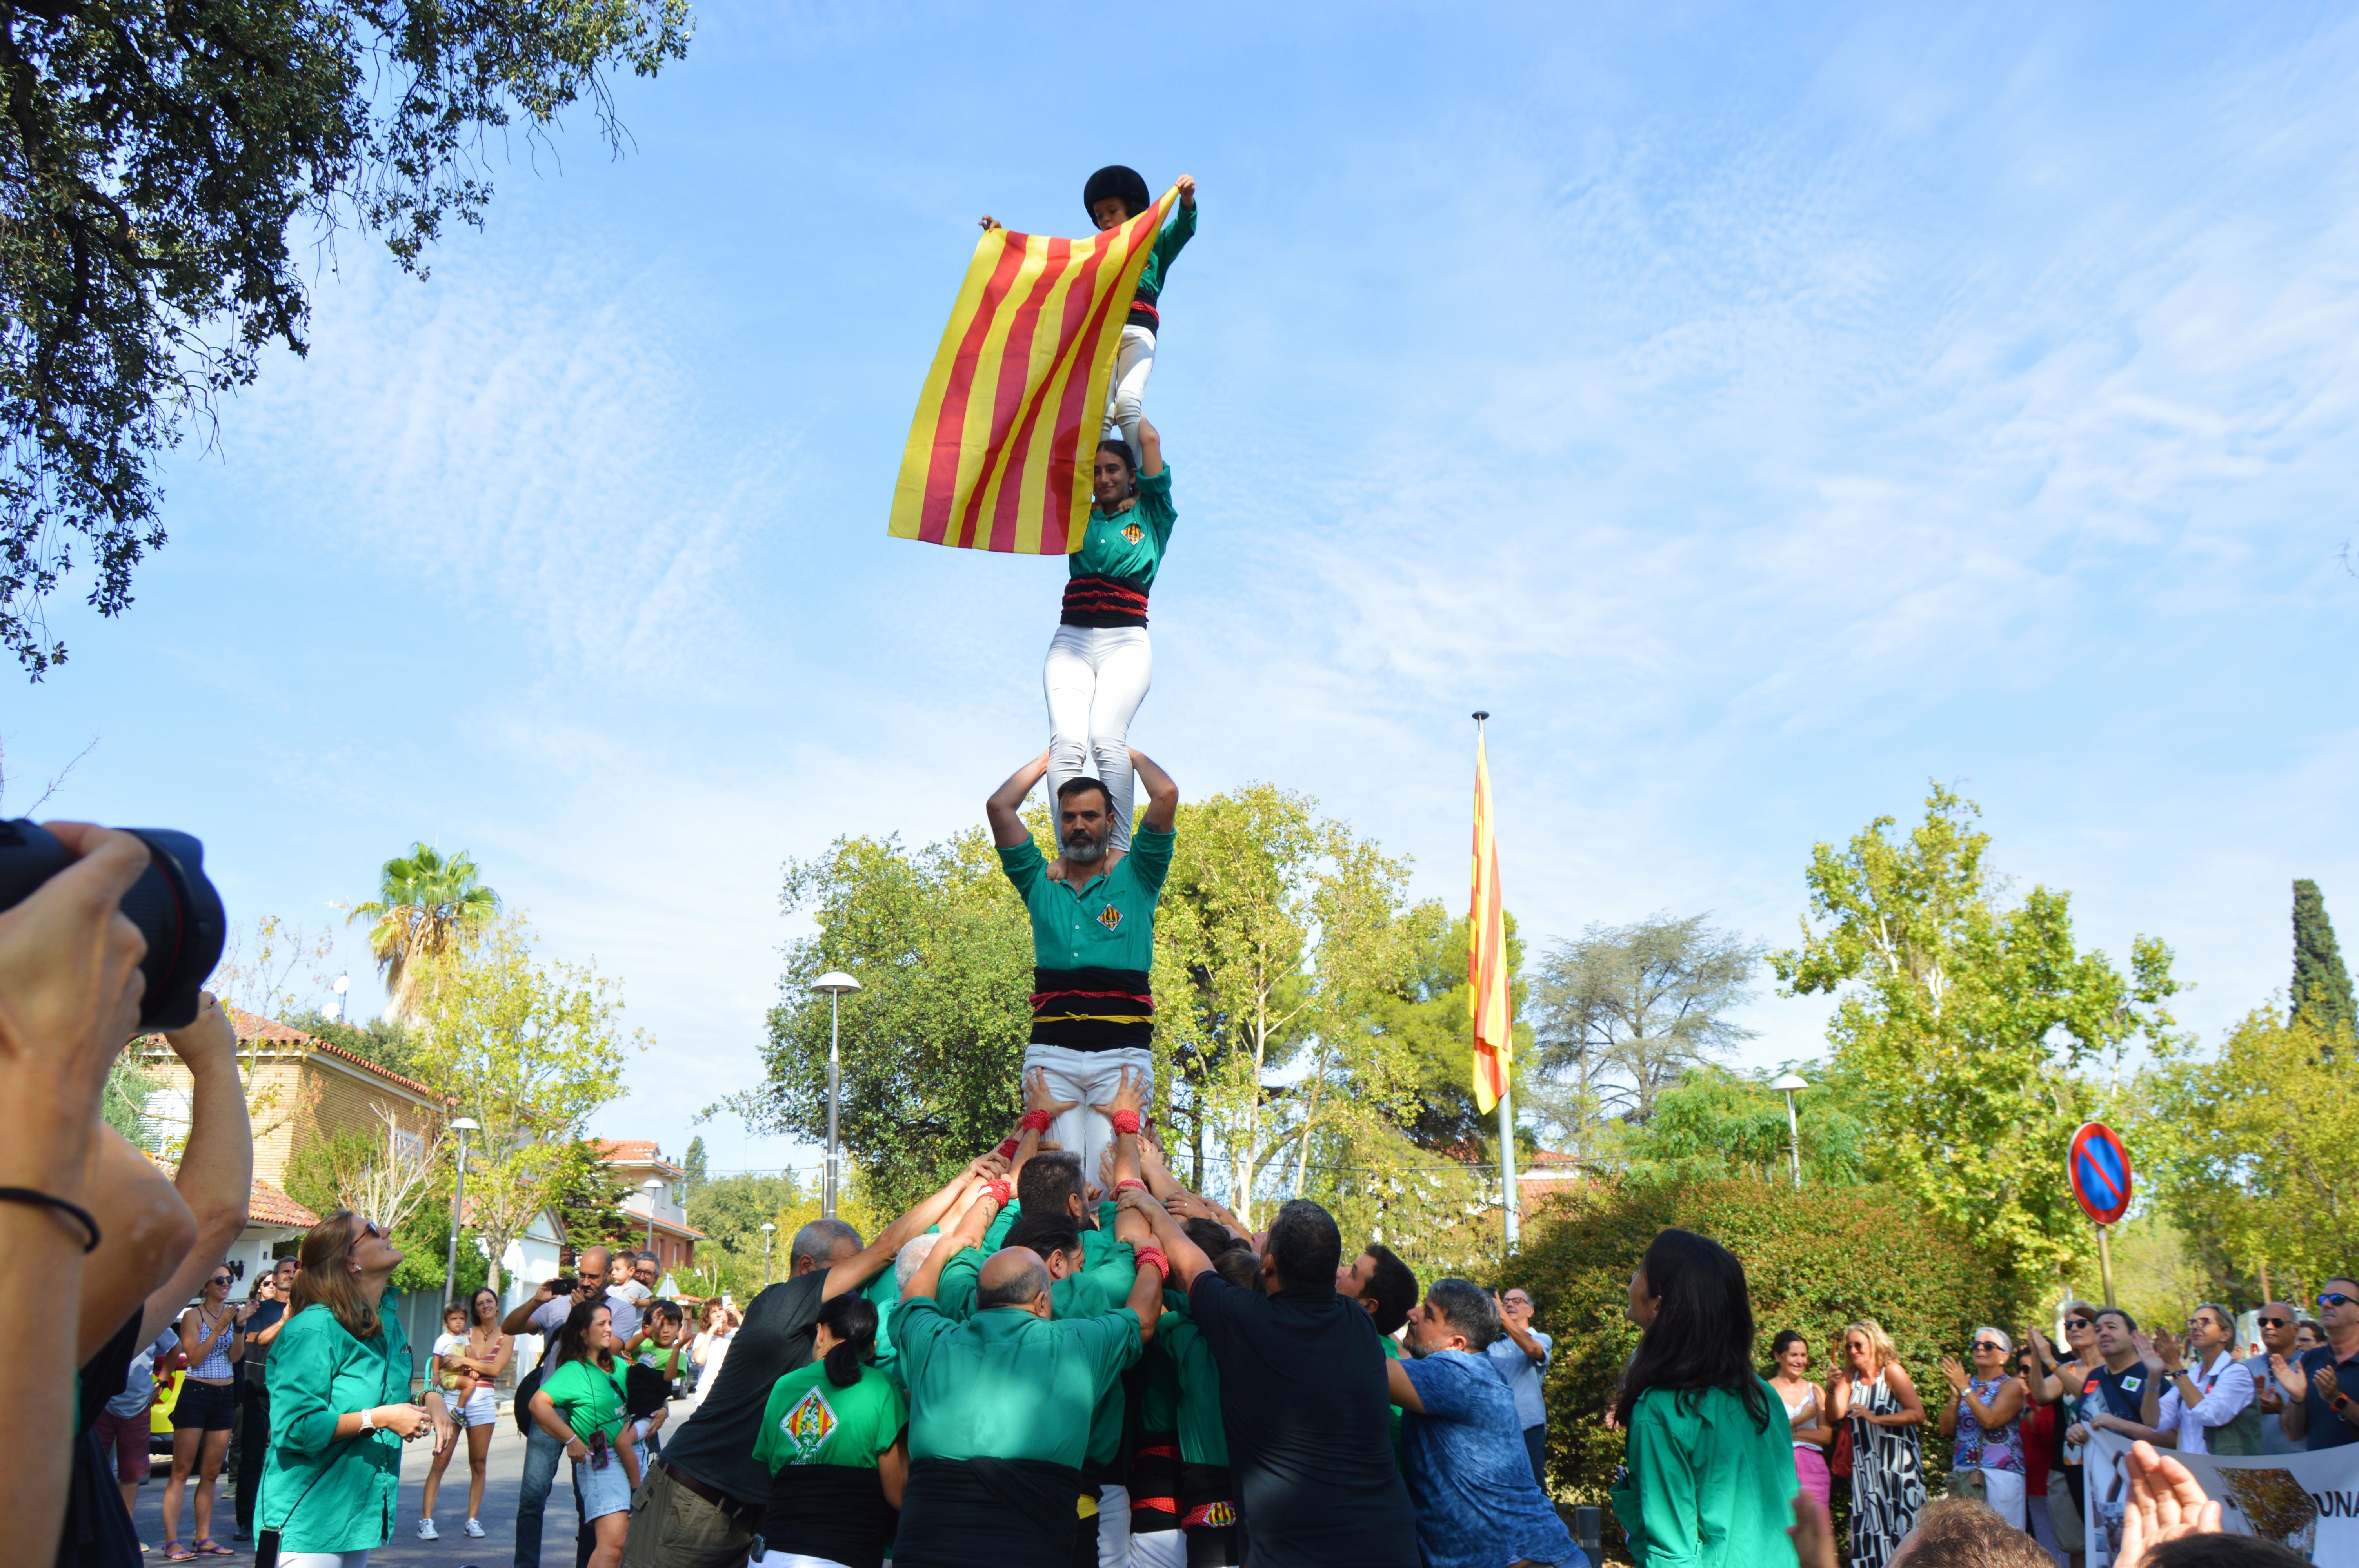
(172, 903)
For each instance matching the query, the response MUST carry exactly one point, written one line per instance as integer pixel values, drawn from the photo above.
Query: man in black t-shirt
(267, 1305)
(1303, 1395)
(705, 1497)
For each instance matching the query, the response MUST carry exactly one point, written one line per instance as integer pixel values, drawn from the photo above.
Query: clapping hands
(1956, 1374)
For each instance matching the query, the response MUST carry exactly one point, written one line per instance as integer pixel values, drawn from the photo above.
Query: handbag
(1839, 1461)
(1969, 1484)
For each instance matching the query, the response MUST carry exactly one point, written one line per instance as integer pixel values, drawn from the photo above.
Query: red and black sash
(1095, 600)
(1092, 1009)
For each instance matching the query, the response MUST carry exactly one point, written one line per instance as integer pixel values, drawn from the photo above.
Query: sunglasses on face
(2276, 1323)
(2336, 1298)
(1992, 1346)
(222, 1279)
(2072, 1323)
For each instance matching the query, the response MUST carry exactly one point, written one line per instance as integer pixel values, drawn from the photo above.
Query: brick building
(636, 1162)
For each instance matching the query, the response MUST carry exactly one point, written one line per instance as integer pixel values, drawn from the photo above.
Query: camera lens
(173, 904)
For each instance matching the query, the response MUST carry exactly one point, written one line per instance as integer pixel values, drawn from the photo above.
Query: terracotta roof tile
(268, 1206)
(251, 1028)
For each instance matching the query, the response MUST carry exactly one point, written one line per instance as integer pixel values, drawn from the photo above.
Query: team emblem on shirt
(1133, 533)
(808, 1425)
(1110, 917)
(2132, 1385)
(1219, 1516)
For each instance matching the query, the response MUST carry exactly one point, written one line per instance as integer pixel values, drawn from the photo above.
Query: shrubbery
(1814, 1260)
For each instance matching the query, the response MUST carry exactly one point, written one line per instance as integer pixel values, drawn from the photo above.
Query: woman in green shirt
(580, 1404)
(1708, 1481)
(836, 1438)
(340, 1404)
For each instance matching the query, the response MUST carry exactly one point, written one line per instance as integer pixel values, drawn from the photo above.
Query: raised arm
(878, 1254)
(520, 1321)
(1150, 449)
(1162, 795)
(1005, 809)
(972, 1221)
(1188, 1259)
(1404, 1392)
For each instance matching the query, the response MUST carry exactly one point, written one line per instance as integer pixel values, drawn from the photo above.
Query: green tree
(934, 1042)
(426, 907)
(1964, 1022)
(2258, 1146)
(529, 1050)
(383, 1041)
(691, 1168)
(153, 161)
(2322, 985)
(1714, 1125)
(1625, 1011)
(587, 1199)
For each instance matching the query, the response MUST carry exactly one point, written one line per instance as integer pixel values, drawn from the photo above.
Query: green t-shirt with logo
(589, 1399)
(810, 1420)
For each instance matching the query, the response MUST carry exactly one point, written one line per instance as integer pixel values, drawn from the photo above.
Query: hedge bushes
(1814, 1260)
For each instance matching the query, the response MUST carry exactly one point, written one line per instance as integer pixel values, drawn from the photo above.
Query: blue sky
(1760, 409)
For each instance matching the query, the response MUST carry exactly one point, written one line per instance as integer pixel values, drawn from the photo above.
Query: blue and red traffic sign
(2099, 1168)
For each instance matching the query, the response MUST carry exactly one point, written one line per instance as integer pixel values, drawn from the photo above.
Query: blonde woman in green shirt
(1708, 1481)
(340, 1404)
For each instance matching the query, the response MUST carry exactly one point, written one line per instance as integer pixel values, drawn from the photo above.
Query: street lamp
(462, 1127)
(1789, 1082)
(835, 982)
(343, 983)
(651, 1186)
(768, 1230)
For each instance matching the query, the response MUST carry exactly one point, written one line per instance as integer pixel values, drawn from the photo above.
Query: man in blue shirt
(2328, 1417)
(1478, 1505)
(1521, 1352)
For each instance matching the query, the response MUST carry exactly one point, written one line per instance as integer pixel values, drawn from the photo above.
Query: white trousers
(1091, 1077)
(324, 1560)
(1114, 1524)
(794, 1560)
(1134, 362)
(1096, 678)
(2002, 1489)
(1159, 1549)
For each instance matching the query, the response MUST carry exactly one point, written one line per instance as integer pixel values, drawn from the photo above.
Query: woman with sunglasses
(340, 1401)
(1874, 1393)
(2060, 1386)
(201, 1416)
(2208, 1396)
(1986, 1421)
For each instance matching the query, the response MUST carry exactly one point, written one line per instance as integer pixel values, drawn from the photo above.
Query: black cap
(1116, 181)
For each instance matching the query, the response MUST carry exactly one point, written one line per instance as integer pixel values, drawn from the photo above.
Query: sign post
(2098, 1166)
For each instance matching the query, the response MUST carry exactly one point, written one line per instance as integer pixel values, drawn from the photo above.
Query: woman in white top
(711, 1349)
(1806, 1412)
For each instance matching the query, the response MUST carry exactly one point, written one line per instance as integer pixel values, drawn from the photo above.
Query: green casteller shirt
(1129, 543)
(1706, 1487)
(1089, 1294)
(1177, 230)
(1202, 1439)
(1393, 1353)
(884, 1293)
(588, 1397)
(810, 1420)
(324, 1495)
(1107, 923)
(1099, 1247)
(1005, 1384)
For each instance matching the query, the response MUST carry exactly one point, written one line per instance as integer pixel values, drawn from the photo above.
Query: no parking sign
(2099, 1169)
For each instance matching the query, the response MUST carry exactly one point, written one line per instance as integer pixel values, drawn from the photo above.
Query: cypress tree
(2321, 986)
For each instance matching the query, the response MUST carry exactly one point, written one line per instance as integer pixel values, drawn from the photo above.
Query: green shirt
(1202, 1439)
(884, 1293)
(1005, 1384)
(810, 1421)
(1108, 922)
(1176, 232)
(1393, 1353)
(1086, 1295)
(1129, 543)
(588, 1398)
(325, 1495)
(1706, 1487)
(1104, 1258)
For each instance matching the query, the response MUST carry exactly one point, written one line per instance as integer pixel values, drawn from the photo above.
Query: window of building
(409, 1146)
(164, 1121)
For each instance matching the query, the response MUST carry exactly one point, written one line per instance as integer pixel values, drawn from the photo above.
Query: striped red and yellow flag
(1488, 997)
(1018, 392)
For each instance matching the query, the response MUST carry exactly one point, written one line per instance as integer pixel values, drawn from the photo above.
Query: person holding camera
(266, 1310)
(546, 1313)
(580, 1404)
(340, 1402)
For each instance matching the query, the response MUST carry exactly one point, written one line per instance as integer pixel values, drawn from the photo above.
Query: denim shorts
(603, 1492)
(207, 1407)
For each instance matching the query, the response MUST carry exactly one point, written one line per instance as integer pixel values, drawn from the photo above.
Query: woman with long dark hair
(340, 1404)
(579, 1403)
(835, 1437)
(1806, 1413)
(1709, 1475)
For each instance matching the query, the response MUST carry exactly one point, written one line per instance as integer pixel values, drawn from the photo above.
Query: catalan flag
(1486, 955)
(1018, 392)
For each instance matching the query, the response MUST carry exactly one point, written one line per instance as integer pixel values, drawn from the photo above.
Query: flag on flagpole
(1017, 391)
(1486, 954)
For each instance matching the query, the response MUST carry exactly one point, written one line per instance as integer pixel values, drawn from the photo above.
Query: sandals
(206, 1546)
(176, 1552)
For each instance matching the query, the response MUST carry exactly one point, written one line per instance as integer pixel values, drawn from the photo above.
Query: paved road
(497, 1550)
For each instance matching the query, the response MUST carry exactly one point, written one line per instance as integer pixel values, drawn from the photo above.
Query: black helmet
(1116, 181)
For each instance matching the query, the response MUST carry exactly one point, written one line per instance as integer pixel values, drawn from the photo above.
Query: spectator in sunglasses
(2208, 1398)
(2279, 1323)
(2060, 1384)
(1985, 1417)
(2319, 1410)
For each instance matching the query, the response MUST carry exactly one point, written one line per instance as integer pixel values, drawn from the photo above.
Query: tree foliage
(427, 906)
(383, 1041)
(2321, 986)
(155, 155)
(1965, 1021)
(1714, 1125)
(1814, 1260)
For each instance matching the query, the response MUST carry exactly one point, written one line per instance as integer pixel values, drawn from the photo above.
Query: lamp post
(768, 1230)
(651, 1186)
(1789, 1082)
(462, 1127)
(344, 983)
(835, 982)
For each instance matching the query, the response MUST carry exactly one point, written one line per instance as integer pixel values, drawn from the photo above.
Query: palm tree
(425, 906)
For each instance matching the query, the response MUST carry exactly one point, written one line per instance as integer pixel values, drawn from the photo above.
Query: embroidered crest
(1219, 1516)
(808, 1425)
(2132, 1385)
(1110, 917)
(1133, 533)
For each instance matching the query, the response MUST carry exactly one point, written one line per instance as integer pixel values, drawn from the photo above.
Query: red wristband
(998, 1191)
(1130, 1181)
(1155, 1255)
(1125, 1121)
(1007, 1147)
(1035, 1121)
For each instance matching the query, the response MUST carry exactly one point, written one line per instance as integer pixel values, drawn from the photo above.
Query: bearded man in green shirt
(1002, 1405)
